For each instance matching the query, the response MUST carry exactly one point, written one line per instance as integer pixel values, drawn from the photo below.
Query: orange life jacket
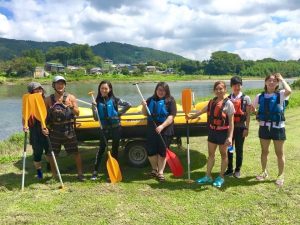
(240, 108)
(215, 115)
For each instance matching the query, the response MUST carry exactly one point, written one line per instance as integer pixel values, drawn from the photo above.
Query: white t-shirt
(229, 108)
(282, 99)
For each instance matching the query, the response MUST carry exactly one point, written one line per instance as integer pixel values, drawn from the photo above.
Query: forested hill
(125, 53)
(119, 53)
(10, 48)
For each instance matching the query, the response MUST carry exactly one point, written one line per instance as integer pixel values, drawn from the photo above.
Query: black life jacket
(59, 112)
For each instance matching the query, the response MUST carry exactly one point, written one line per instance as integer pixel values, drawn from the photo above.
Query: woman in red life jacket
(270, 114)
(220, 113)
(242, 106)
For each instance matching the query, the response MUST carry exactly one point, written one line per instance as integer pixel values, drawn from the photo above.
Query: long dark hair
(110, 94)
(165, 86)
(267, 78)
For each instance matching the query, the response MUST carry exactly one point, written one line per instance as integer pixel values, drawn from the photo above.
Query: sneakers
(219, 181)
(204, 180)
(228, 173)
(237, 174)
(39, 174)
(94, 176)
(261, 177)
(279, 181)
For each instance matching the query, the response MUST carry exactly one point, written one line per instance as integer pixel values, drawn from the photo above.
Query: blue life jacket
(270, 109)
(108, 113)
(158, 110)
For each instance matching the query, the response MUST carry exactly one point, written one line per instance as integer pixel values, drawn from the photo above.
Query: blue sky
(254, 29)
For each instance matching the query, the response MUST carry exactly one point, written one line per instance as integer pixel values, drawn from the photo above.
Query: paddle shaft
(149, 113)
(188, 148)
(55, 162)
(24, 161)
(84, 102)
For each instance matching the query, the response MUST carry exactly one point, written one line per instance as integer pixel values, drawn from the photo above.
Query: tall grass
(10, 149)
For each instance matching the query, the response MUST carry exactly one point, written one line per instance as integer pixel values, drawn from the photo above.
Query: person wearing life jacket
(220, 122)
(36, 138)
(62, 108)
(270, 114)
(162, 107)
(109, 113)
(242, 105)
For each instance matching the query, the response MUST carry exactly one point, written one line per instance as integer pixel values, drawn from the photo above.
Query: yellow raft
(133, 123)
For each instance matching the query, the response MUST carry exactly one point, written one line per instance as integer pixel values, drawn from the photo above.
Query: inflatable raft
(133, 124)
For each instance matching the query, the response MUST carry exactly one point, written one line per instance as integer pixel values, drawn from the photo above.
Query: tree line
(220, 63)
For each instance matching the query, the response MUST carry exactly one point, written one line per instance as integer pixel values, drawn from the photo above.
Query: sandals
(153, 173)
(279, 181)
(160, 177)
(263, 176)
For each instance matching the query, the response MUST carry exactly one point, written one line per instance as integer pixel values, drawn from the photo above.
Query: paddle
(187, 99)
(40, 113)
(172, 159)
(112, 164)
(26, 113)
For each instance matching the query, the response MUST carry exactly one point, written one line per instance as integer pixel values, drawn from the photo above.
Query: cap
(33, 85)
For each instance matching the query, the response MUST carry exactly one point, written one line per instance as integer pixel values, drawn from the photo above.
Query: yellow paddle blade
(26, 109)
(113, 169)
(187, 100)
(40, 111)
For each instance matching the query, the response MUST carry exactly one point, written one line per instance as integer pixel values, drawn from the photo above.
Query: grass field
(141, 200)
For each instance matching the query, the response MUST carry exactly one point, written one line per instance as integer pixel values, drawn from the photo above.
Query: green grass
(140, 200)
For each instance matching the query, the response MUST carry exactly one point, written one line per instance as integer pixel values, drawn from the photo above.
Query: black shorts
(67, 138)
(217, 136)
(270, 133)
(154, 143)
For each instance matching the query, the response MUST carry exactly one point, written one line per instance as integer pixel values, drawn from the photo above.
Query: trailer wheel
(136, 154)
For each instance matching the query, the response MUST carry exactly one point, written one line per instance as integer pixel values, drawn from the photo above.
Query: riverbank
(141, 200)
(123, 78)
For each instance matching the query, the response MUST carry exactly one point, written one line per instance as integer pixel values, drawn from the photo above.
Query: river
(11, 97)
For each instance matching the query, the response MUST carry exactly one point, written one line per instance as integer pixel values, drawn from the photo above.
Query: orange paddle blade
(187, 99)
(113, 169)
(40, 111)
(174, 163)
(26, 109)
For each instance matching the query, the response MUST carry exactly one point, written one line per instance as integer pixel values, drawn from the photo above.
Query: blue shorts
(270, 133)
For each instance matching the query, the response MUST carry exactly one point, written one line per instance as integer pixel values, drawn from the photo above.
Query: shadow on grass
(130, 174)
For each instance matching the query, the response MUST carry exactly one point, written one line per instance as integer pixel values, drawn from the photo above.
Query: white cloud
(254, 29)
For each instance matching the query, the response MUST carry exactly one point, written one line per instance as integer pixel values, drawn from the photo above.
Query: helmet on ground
(33, 85)
(59, 78)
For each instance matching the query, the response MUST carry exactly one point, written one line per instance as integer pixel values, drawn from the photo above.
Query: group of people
(228, 119)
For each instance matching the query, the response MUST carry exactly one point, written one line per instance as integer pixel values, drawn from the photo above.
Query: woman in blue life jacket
(270, 114)
(109, 114)
(162, 107)
(220, 121)
(36, 138)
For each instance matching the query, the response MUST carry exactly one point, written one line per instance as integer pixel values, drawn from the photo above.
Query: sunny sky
(254, 29)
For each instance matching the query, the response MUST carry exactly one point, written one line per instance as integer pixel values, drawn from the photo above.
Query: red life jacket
(216, 118)
(240, 108)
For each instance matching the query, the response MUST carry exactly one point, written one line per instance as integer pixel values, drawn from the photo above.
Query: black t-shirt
(172, 110)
